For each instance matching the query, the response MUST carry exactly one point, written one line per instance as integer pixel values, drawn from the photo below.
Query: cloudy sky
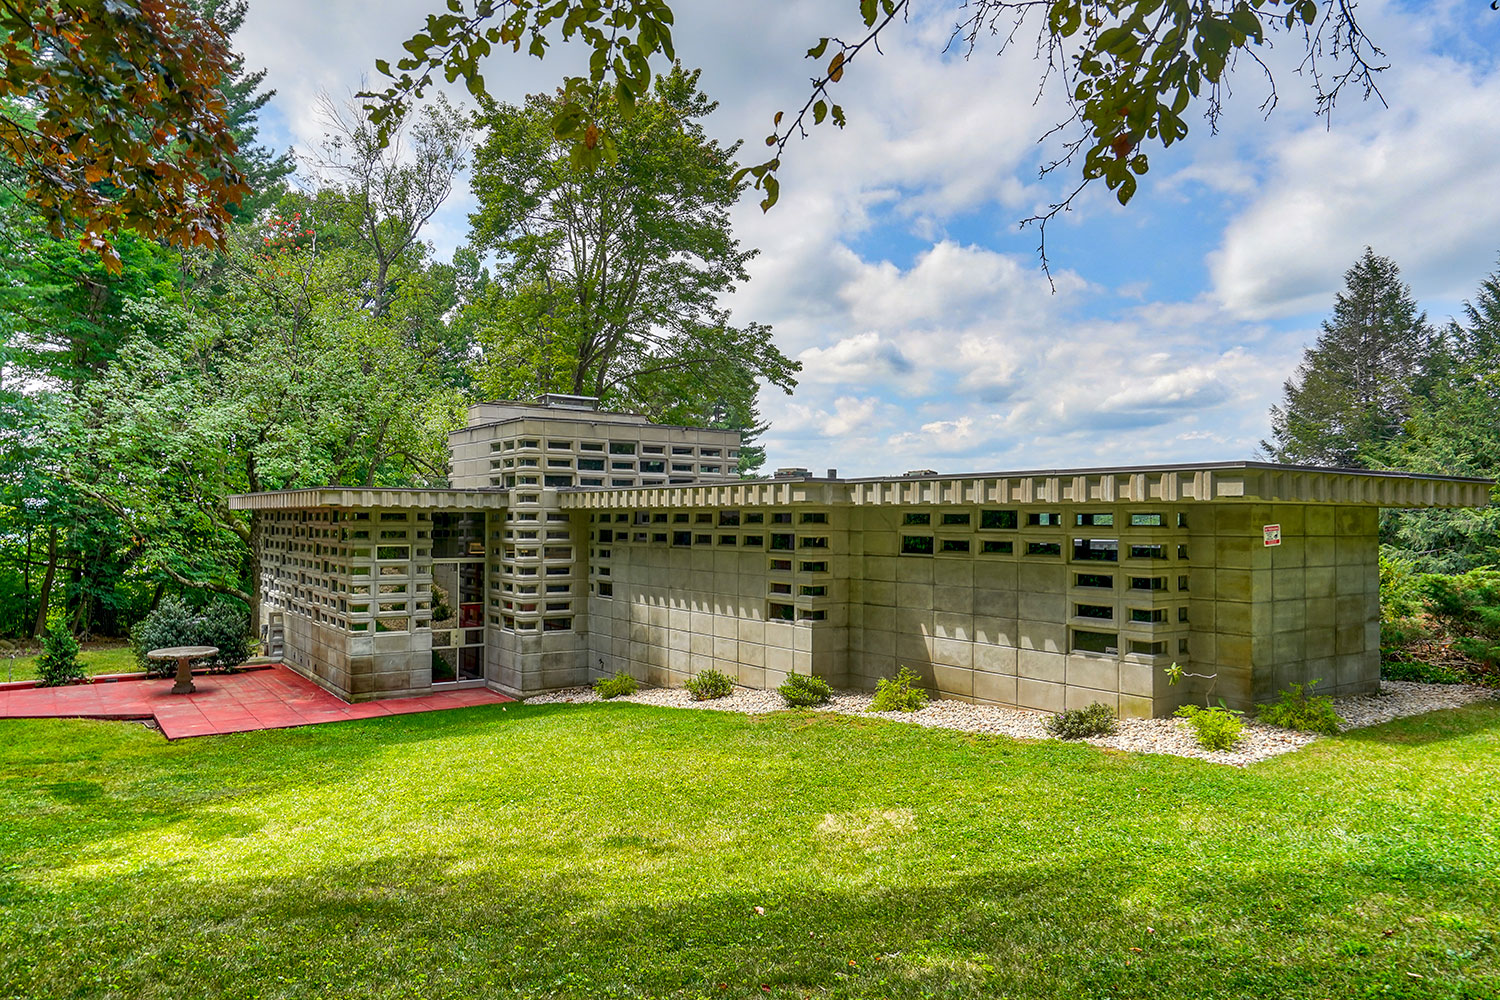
(894, 270)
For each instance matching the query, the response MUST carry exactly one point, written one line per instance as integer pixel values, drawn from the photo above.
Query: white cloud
(1416, 182)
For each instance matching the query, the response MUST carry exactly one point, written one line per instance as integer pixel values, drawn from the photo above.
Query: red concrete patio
(271, 697)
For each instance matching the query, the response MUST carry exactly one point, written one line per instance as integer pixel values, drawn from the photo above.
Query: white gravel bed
(1170, 736)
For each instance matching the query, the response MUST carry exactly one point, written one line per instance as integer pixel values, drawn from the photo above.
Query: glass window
(916, 517)
(1148, 552)
(1044, 520)
(1096, 549)
(1043, 548)
(1145, 520)
(1153, 615)
(1094, 611)
(956, 518)
(1095, 520)
(1093, 580)
(992, 547)
(954, 545)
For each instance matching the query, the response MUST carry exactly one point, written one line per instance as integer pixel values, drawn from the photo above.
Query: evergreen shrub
(804, 691)
(58, 664)
(616, 686)
(1097, 719)
(710, 684)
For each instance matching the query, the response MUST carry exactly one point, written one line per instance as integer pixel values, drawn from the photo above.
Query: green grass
(616, 850)
(106, 660)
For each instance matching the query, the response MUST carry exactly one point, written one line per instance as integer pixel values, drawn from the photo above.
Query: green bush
(804, 691)
(1297, 709)
(902, 693)
(223, 623)
(1078, 723)
(58, 663)
(1216, 728)
(616, 686)
(710, 684)
(1467, 606)
(1411, 669)
(226, 625)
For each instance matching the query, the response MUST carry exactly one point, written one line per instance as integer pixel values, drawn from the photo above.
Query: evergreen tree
(265, 170)
(1455, 431)
(1346, 403)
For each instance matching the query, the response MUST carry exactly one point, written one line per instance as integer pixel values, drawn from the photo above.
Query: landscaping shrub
(226, 625)
(1078, 723)
(222, 623)
(58, 663)
(170, 623)
(902, 693)
(1216, 727)
(1439, 628)
(1407, 668)
(616, 686)
(1467, 606)
(1298, 709)
(804, 691)
(710, 684)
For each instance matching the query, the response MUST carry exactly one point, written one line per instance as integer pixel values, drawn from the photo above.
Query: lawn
(625, 851)
(102, 660)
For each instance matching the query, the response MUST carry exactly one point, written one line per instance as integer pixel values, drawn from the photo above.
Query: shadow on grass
(430, 926)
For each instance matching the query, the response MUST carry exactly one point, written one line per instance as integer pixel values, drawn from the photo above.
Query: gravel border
(1396, 700)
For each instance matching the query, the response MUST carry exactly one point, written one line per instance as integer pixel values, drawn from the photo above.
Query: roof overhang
(343, 497)
(1255, 482)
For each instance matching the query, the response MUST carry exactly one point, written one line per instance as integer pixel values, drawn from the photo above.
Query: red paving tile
(267, 698)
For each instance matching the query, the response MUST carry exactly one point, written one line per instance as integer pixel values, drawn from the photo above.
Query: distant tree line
(1385, 388)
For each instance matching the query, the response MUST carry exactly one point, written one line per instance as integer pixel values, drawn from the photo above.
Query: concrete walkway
(268, 698)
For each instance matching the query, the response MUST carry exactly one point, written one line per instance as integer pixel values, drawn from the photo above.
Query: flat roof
(1187, 482)
(345, 496)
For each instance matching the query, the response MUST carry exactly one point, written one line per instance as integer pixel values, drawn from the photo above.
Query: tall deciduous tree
(112, 117)
(1346, 403)
(608, 282)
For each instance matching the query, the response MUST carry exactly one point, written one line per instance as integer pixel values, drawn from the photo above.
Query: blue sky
(894, 270)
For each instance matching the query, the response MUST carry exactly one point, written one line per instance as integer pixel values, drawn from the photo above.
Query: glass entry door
(458, 566)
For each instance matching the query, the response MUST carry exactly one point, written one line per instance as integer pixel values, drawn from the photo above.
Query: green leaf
(816, 52)
(820, 111)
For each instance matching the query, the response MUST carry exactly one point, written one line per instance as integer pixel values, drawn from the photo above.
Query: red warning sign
(1272, 534)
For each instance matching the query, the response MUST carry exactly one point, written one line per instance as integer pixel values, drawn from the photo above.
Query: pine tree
(1455, 431)
(1346, 403)
(265, 171)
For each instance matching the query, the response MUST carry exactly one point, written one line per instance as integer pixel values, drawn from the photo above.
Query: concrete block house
(576, 543)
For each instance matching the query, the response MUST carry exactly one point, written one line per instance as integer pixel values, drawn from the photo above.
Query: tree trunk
(45, 594)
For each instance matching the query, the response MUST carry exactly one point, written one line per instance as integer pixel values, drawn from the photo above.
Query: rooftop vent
(920, 472)
(792, 472)
(562, 401)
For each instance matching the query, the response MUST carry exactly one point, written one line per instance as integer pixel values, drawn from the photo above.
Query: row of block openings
(600, 463)
(723, 528)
